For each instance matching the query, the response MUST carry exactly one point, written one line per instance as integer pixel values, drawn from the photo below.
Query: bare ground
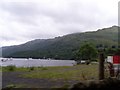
(13, 78)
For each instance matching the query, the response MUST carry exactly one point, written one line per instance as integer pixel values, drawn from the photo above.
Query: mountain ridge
(62, 47)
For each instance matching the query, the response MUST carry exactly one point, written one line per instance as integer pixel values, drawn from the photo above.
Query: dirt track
(13, 78)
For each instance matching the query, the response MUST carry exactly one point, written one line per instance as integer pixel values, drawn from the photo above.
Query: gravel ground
(13, 78)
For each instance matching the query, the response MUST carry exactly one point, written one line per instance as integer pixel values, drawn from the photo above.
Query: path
(13, 78)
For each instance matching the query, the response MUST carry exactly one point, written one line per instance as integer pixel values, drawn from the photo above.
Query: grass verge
(78, 72)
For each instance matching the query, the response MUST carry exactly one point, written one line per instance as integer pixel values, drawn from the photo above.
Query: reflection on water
(35, 62)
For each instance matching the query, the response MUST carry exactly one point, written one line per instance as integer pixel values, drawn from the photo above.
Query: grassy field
(58, 76)
(78, 72)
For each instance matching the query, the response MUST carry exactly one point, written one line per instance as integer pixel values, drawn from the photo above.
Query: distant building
(115, 60)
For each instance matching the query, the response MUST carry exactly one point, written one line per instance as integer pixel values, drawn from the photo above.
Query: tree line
(90, 52)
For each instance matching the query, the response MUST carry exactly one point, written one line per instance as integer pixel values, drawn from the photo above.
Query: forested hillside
(63, 47)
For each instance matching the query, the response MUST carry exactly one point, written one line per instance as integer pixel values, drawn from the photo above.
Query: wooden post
(101, 66)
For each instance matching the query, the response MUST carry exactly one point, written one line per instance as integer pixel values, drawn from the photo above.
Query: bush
(110, 83)
(11, 68)
(31, 68)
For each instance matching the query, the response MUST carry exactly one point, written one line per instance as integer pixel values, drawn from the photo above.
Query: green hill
(63, 47)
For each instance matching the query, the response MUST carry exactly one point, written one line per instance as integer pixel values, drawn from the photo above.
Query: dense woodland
(65, 47)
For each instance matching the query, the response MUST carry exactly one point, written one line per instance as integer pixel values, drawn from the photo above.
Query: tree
(86, 52)
(111, 51)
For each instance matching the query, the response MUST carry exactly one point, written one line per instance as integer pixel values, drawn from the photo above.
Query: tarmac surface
(13, 78)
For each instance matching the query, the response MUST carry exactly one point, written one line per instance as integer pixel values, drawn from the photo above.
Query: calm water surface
(35, 62)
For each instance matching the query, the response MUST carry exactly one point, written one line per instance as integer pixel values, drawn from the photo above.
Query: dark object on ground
(111, 69)
(110, 83)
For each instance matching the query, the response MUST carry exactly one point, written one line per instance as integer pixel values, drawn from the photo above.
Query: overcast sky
(25, 20)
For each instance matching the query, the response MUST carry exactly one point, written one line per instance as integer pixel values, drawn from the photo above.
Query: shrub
(11, 68)
(31, 68)
(110, 83)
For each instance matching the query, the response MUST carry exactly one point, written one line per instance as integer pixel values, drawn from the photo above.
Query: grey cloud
(75, 12)
(22, 12)
(31, 20)
(20, 9)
